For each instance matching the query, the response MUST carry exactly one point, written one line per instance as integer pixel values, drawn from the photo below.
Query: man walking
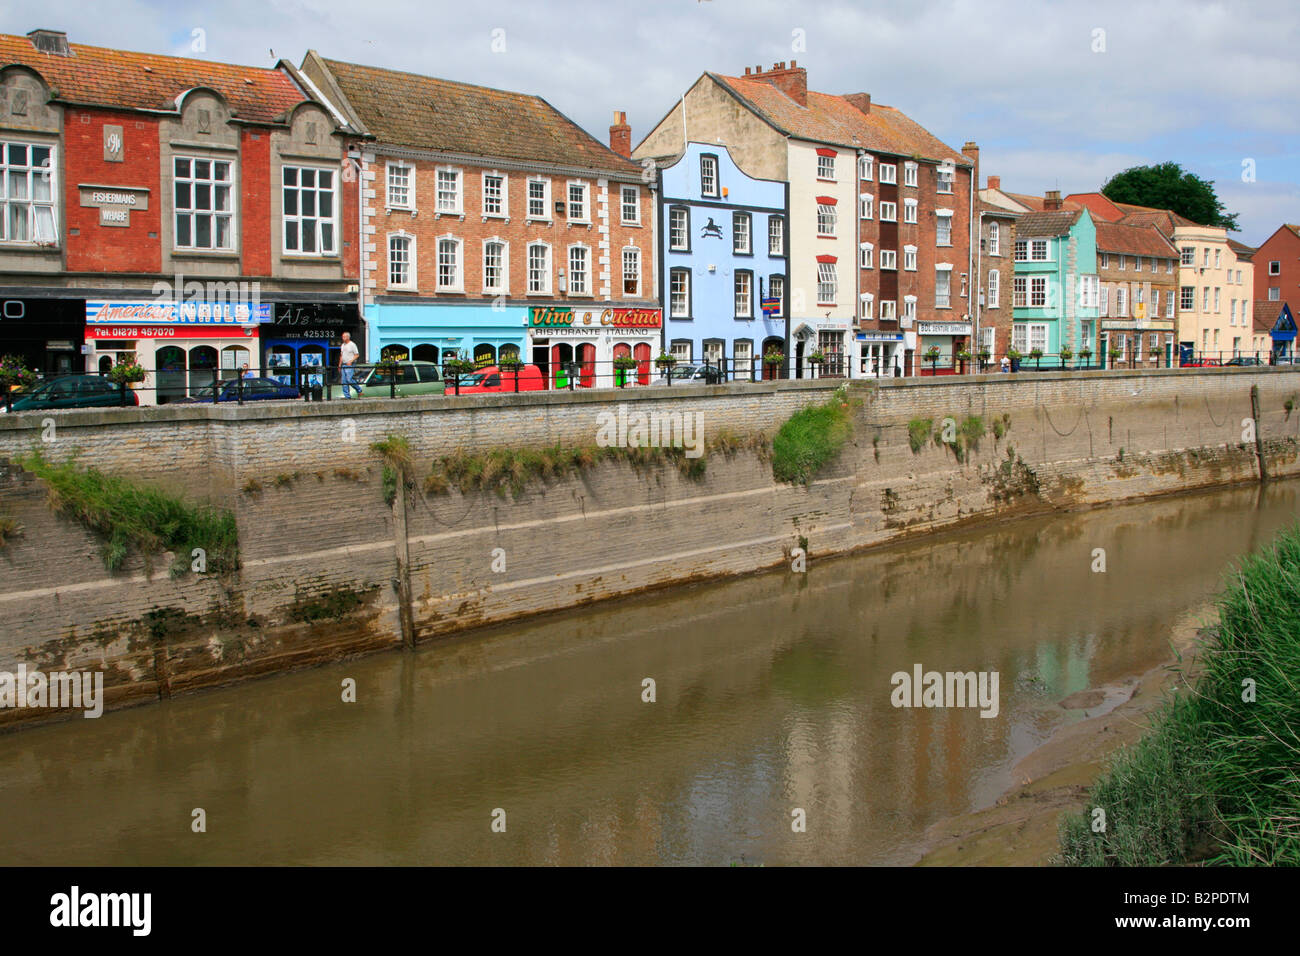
(348, 354)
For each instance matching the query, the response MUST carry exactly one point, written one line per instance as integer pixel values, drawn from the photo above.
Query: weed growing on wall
(918, 431)
(129, 516)
(811, 438)
(9, 529)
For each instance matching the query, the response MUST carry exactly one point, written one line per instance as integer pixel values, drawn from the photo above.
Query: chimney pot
(793, 64)
(995, 182)
(747, 71)
(620, 135)
(1052, 199)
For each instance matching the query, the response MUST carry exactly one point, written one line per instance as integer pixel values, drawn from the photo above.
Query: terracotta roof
(1295, 229)
(407, 109)
(833, 119)
(1134, 240)
(1241, 250)
(1102, 209)
(121, 79)
(1266, 314)
(1036, 203)
(1163, 219)
(1055, 223)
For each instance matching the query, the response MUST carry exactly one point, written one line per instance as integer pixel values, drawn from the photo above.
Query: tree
(1169, 186)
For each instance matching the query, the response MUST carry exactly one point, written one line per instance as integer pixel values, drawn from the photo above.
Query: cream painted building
(1216, 281)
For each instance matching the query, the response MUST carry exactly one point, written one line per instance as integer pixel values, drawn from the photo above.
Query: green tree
(1169, 186)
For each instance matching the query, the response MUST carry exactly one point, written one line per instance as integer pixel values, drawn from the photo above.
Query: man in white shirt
(348, 354)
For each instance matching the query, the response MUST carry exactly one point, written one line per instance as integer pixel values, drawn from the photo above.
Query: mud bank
(1020, 828)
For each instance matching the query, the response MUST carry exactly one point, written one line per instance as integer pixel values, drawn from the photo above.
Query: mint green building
(1055, 300)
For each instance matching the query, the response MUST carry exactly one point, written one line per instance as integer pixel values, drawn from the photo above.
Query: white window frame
(585, 202)
(1034, 245)
(889, 173)
(410, 240)
(995, 239)
(1035, 283)
(623, 192)
(939, 216)
(458, 279)
(888, 211)
(776, 290)
(888, 310)
(685, 274)
(889, 259)
(1020, 251)
(41, 213)
(866, 167)
(910, 210)
(546, 199)
(827, 279)
(776, 236)
(397, 166)
(585, 249)
(865, 255)
(1275, 267)
(866, 305)
(685, 213)
(544, 286)
(504, 287)
(943, 300)
(333, 220)
(1019, 292)
(993, 294)
(505, 193)
(866, 205)
(909, 258)
(745, 309)
(910, 171)
(909, 310)
(739, 233)
(823, 173)
(1187, 255)
(456, 207)
(623, 260)
(826, 220)
(194, 214)
(711, 161)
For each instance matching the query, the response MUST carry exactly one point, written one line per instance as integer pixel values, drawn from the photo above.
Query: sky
(1059, 95)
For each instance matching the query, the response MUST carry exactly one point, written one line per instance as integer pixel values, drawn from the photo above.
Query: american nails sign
(163, 312)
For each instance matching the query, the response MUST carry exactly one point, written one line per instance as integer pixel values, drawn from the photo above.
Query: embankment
(330, 568)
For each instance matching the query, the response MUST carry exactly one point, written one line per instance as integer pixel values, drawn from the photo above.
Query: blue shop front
(303, 339)
(435, 332)
(1283, 334)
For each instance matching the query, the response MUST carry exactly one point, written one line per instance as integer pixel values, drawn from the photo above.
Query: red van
(492, 379)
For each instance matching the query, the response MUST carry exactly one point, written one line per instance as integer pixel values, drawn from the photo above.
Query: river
(772, 707)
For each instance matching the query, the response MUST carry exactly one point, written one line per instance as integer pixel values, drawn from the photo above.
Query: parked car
(1203, 363)
(692, 375)
(1284, 360)
(254, 389)
(492, 379)
(1240, 360)
(413, 378)
(73, 391)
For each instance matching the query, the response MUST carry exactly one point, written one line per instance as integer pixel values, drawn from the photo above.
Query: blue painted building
(724, 241)
(433, 331)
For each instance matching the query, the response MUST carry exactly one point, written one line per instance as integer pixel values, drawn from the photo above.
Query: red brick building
(191, 214)
(1277, 267)
(496, 226)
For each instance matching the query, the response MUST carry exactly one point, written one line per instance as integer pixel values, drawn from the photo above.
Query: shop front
(940, 342)
(303, 339)
(1282, 335)
(182, 346)
(828, 339)
(880, 354)
(1136, 340)
(435, 332)
(580, 346)
(46, 333)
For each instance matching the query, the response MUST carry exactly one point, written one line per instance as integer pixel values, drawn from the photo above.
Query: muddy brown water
(773, 695)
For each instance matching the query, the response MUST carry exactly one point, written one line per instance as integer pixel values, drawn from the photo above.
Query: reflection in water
(773, 693)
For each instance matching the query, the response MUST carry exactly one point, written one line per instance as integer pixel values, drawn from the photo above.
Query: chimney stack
(620, 135)
(1052, 200)
(971, 151)
(995, 182)
(859, 101)
(790, 80)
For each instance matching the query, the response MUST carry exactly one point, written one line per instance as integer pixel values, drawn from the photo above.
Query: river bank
(1020, 828)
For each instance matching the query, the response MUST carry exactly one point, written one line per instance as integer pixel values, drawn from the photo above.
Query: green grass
(1217, 778)
(810, 439)
(918, 430)
(132, 517)
(9, 529)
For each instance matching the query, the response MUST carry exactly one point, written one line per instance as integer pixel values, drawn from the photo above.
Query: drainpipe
(361, 246)
(972, 287)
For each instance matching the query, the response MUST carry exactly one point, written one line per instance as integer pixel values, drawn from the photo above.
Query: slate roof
(121, 79)
(1134, 240)
(1039, 224)
(422, 112)
(1242, 251)
(992, 209)
(833, 119)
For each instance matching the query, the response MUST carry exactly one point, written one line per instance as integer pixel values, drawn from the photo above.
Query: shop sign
(165, 332)
(943, 328)
(880, 336)
(550, 318)
(163, 312)
(832, 326)
(114, 202)
(771, 306)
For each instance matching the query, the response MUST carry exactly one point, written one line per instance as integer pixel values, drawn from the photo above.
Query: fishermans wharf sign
(550, 319)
